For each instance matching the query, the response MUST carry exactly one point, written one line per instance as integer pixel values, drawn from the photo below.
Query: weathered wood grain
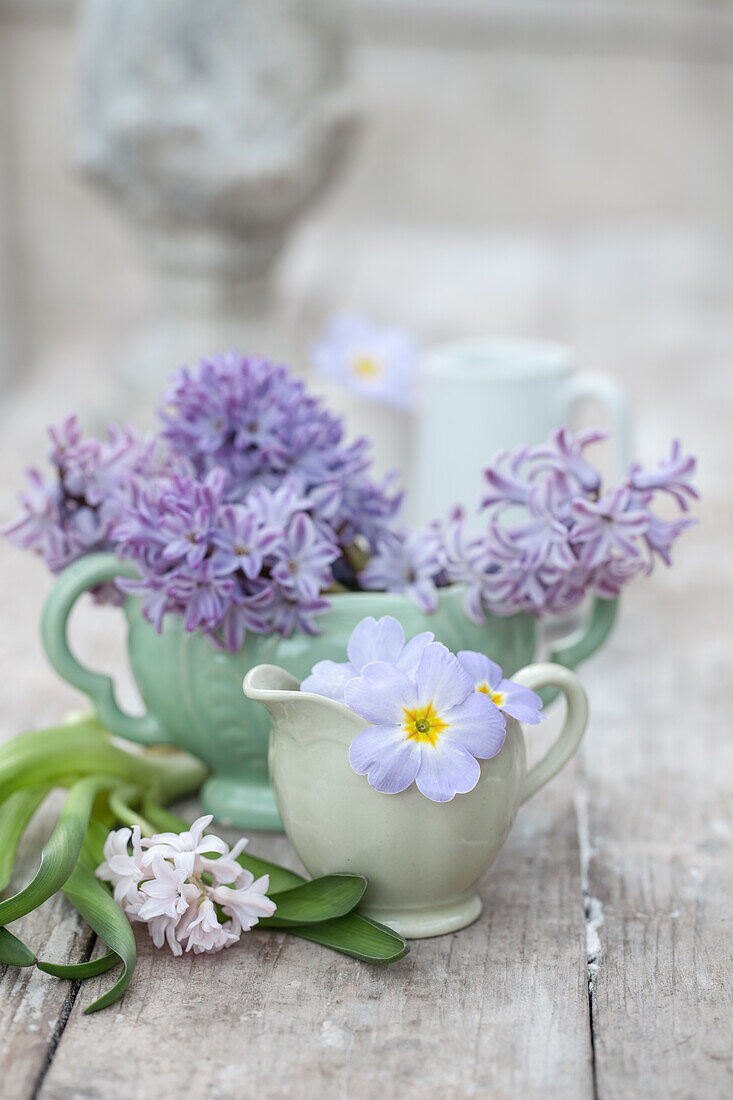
(34, 1006)
(660, 866)
(500, 1009)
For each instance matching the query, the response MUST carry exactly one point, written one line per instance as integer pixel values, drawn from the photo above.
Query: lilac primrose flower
(429, 728)
(377, 363)
(513, 699)
(371, 640)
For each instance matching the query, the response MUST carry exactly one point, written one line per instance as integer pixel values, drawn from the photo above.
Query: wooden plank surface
(33, 1006)
(657, 828)
(500, 1009)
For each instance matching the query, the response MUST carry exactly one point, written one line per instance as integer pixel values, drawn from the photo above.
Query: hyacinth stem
(120, 804)
(355, 557)
(15, 815)
(105, 782)
(109, 786)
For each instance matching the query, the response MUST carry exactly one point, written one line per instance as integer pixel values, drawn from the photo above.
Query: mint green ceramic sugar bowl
(193, 692)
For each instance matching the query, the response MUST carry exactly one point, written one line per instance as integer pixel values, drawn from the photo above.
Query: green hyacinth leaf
(61, 853)
(102, 913)
(92, 850)
(321, 899)
(15, 815)
(280, 878)
(357, 936)
(60, 755)
(81, 970)
(13, 951)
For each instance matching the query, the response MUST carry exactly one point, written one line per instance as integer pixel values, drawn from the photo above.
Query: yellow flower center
(365, 366)
(495, 696)
(423, 724)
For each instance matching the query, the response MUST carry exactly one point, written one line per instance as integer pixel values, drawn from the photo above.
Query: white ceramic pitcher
(477, 397)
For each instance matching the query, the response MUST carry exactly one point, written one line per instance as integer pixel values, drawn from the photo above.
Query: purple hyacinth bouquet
(248, 510)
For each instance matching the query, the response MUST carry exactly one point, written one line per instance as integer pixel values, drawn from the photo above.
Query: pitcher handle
(606, 392)
(576, 719)
(583, 642)
(73, 582)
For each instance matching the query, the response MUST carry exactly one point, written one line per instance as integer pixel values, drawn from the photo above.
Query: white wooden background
(578, 194)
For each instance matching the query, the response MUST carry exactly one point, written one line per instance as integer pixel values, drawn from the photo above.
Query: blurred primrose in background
(376, 363)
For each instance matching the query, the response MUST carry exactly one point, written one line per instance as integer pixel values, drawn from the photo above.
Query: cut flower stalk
(109, 786)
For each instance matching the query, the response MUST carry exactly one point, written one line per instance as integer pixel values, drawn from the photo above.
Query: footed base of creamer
(246, 804)
(420, 924)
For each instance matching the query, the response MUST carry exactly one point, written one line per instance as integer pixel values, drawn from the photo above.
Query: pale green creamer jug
(423, 859)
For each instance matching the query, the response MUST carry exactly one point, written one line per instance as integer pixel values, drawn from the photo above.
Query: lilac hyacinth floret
(266, 520)
(225, 568)
(72, 513)
(249, 508)
(409, 563)
(377, 363)
(371, 640)
(188, 888)
(571, 538)
(258, 422)
(430, 728)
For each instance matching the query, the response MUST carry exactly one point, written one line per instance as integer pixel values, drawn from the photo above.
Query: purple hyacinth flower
(407, 565)
(155, 600)
(467, 561)
(661, 535)
(242, 541)
(371, 640)
(431, 728)
(607, 527)
(608, 579)
(247, 613)
(203, 594)
(303, 558)
(513, 699)
(38, 526)
(507, 483)
(289, 614)
(544, 540)
(276, 507)
(377, 363)
(673, 476)
(564, 452)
